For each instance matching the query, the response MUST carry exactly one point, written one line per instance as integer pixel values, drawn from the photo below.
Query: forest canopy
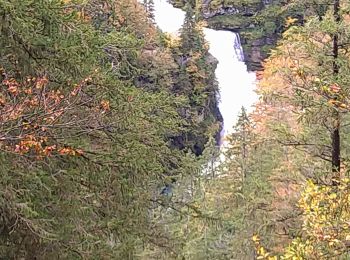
(110, 130)
(96, 119)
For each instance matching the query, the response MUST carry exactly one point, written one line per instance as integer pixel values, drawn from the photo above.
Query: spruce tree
(151, 11)
(149, 7)
(240, 143)
(188, 31)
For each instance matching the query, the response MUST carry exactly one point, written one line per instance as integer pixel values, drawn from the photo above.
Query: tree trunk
(336, 148)
(335, 134)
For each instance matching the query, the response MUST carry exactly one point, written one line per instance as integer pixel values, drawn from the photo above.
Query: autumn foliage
(33, 115)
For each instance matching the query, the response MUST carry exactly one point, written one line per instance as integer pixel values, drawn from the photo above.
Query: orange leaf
(105, 105)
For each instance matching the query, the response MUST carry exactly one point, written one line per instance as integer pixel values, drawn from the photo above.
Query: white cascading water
(235, 83)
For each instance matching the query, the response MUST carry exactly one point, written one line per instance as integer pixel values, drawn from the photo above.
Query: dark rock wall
(258, 22)
(255, 39)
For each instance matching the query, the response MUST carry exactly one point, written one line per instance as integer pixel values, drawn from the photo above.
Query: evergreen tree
(84, 140)
(188, 31)
(320, 83)
(240, 143)
(151, 11)
(196, 80)
(149, 7)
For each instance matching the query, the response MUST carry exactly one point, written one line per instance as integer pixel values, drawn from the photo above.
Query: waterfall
(236, 84)
(238, 48)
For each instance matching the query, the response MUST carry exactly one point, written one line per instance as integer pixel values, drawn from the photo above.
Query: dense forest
(110, 132)
(99, 112)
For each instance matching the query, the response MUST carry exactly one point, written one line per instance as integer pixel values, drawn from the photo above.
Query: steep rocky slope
(258, 22)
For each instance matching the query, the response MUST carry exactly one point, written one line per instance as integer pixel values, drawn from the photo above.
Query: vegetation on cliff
(259, 23)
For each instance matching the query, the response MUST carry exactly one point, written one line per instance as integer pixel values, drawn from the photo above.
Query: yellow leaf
(333, 196)
(290, 21)
(255, 238)
(262, 251)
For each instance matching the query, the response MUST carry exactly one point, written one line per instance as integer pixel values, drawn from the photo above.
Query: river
(235, 82)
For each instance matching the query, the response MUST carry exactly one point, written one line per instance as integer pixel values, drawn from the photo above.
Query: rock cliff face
(257, 36)
(258, 22)
(205, 118)
(255, 51)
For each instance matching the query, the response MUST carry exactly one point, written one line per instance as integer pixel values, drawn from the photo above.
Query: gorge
(236, 84)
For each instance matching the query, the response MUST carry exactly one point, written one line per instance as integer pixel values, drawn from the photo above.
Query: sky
(235, 83)
(168, 18)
